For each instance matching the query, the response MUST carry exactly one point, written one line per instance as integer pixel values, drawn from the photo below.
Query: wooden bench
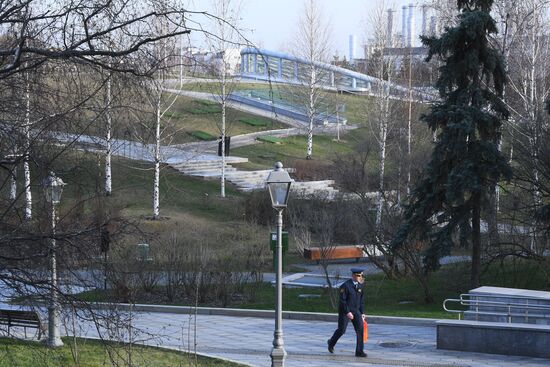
(334, 253)
(20, 318)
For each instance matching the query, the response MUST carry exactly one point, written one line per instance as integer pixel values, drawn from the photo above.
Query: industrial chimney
(389, 35)
(411, 27)
(404, 25)
(424, 19)
(433, 29)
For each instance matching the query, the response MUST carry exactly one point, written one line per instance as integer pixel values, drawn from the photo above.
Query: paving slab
(248, 340)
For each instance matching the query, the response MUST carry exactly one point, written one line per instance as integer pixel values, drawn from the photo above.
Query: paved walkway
(248, 340)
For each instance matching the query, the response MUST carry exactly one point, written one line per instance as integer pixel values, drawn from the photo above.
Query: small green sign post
(273, 246)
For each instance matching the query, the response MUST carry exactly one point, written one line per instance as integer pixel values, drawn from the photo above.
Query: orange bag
(365, 331)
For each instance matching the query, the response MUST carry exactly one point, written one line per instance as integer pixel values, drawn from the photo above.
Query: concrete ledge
(239, 312)
(494, 338)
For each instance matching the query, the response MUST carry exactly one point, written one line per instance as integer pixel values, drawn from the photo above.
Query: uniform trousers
(343, 324)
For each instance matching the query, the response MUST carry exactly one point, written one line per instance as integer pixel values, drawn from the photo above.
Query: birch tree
(55, 40)
(313, 44)
(26, 148)
(161, 60)
(529, 62)
(225, 42)
(383, 67)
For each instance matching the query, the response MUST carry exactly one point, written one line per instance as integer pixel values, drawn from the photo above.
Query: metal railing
(476, 303)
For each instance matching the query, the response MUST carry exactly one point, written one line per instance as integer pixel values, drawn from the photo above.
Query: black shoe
(330, 347)
(362, 354)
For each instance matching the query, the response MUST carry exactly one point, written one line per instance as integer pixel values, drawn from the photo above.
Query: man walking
(350, 307)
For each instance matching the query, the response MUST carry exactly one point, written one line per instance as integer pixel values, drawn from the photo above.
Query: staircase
(500, 321)
(251, 180)
(507, 305)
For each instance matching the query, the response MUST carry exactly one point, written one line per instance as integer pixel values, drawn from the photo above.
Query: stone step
(495, 304)
(204, 165)
(304, 184)
(251, 180)
(215, 162)
(493, 337)
(199, 170)
(515, 317)
(250, 174)
(304, 190)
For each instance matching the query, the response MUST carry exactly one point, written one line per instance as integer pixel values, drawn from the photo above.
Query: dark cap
(356, 270)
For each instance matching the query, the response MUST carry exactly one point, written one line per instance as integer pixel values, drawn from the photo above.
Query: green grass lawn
(184, 116)
(185, 202)
(133, 185)
(385, 297)
(254, 121)
(269, 139)
(290, 149)
(201, 135)
(92, 353)
(356, 106)
(188, 115)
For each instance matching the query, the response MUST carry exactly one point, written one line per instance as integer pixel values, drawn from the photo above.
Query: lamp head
(278, 183)
(53, 188)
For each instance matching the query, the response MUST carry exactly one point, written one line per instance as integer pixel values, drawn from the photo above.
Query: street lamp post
(53, 188)
(278, 183)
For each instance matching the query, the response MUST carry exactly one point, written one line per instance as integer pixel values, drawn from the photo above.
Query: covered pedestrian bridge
(259, 64)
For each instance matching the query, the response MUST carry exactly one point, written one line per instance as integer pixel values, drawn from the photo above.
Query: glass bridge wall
(282, 68)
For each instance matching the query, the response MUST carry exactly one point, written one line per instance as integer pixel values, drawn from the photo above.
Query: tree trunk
(492, 219)
(156, 182)
(382, 166)
(13, 183)
(27, 137)
(311, 113)
(476, 243)
(383, 136)
(223, 96)
(409, 132)
(108, 141)
(428, 296)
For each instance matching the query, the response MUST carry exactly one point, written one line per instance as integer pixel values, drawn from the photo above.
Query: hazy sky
(271, 22)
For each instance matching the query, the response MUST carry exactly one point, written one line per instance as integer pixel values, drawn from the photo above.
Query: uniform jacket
(351, 299)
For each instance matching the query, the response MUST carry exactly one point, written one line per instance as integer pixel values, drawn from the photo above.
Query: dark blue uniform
(351, 300)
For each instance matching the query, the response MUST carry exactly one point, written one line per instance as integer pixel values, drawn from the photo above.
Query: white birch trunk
(13, 183)
(108, 142)
(156, 182)
(311, 113)
(181, 59)
(383, 134)
(537, 199)
(223, 97)
(409, 132)
(26, 164)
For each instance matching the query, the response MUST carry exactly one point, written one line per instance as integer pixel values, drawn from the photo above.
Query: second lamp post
(53, 188)
(278, 183)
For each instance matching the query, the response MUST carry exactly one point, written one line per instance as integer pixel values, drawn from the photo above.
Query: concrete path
(248, 340)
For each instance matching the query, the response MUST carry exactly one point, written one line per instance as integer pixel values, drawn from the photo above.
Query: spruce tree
(465, 161)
